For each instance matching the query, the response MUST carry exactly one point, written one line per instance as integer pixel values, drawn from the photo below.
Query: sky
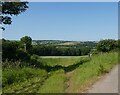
(74, 21)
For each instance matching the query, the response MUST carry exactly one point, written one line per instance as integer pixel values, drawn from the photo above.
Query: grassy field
(61, 60)
(78, 77)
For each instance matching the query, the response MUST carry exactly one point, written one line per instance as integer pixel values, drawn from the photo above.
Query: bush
(9, 50)
(34, 57)
(107, 45)
(23, 56)
(93, 51)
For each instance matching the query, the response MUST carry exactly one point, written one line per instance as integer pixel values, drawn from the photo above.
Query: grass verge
(89, 72)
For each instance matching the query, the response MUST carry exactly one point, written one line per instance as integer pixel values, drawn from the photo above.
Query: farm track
(67, 82)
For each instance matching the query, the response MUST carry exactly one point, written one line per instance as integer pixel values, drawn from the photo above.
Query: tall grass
(89, 72)
(13, 75)
(55, 83)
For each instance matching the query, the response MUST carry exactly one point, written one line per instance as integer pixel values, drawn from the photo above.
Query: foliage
(26, 43)
(30, 85)
(15, 50)
(46, 42)
(101, 70)
(52, 50)
(13, 64)
(107, 45)
(11, 51)
(34, 57)
(94, 51)
(33, 80)
(62, 43)
(23, 56)
(13, 75)
(12, 8)
(88, 73)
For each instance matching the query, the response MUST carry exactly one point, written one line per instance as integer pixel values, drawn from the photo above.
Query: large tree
(11, 8)
(107, 45)
(26, 42)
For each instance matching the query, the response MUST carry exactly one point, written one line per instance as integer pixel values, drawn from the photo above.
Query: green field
(78, 76)
(61, 60)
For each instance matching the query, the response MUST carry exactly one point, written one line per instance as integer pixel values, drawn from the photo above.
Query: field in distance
(61, 60)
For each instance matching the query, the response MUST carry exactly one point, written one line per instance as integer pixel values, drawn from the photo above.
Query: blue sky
(66, 21)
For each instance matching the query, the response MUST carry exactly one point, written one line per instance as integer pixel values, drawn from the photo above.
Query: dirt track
(108, 84)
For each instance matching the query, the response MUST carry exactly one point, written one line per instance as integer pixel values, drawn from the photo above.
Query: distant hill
(65, 43)
(70, 43)
(46, 42)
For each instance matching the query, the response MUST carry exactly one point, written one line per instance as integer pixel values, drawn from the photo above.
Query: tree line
(52, 50)
(23, 49)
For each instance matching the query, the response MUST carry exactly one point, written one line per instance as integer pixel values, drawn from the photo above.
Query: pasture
(61, 60)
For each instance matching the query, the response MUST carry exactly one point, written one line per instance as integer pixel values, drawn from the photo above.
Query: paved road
(108, 84)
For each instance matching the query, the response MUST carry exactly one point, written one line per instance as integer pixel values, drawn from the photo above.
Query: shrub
(34, 57)
(23, 56)
(106, 45)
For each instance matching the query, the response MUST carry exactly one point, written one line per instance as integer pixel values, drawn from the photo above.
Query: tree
(11, 8)
(11, 51)
(26, 43)
(106, 45)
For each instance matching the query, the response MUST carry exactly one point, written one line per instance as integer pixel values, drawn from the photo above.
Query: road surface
(107, 84)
